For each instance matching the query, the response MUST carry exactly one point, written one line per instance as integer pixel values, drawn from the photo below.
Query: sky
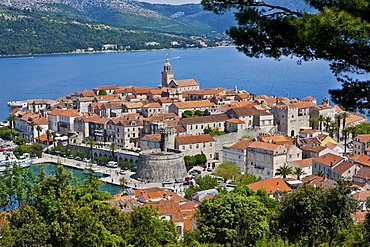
(174, 2)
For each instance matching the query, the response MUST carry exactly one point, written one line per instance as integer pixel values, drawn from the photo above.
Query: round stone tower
(156, 166)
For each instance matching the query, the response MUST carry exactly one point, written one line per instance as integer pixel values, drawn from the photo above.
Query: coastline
(32, 55)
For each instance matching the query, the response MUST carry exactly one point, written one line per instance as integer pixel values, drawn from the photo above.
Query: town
(149, 135)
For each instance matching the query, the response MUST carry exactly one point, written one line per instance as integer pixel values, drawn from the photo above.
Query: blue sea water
(53, 76)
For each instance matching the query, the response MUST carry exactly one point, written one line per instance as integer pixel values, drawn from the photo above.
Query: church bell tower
(167, 74)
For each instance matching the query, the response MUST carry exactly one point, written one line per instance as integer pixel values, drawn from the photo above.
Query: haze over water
(53, 76)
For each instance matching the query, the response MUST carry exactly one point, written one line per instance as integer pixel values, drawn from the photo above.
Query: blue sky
(171, 1)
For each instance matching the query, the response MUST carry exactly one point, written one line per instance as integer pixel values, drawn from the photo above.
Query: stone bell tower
(167, 74)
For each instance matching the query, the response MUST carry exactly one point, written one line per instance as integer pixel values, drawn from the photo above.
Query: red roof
(271, 185)
(191, 139)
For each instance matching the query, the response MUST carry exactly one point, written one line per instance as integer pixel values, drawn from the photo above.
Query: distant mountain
(184, 19)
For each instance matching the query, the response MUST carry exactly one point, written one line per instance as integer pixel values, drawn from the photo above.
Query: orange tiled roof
(308, 98)
(206, 119)
(343, 167)
(362, 159)
(44, 137)
(142, 90)
(193, 104)
(263, 145)
(363, 138)
(270, 185)
(208, 91)
(304, 162)
(302, 105)
(235, 121)
(241, 145)
(161, 117)
(364, 172)
(354, 117)
(107, 87)
(87, 93)
(338, 109)
(277, 139)
(361, 195)
(156, 91)
(154, 136)
(41, 121)
(152, 105)
(187, 82)
(329, 159)
(191, 139)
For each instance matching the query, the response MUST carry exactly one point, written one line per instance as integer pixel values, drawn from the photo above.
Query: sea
(53, 76)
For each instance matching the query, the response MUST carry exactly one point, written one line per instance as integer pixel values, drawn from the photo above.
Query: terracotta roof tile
(205, 119)
(241, 145)
(362, 159)
(193, 104)
(154, 136)
(343, 167)
(235, 121)
(329, 159)
(361, 195)
(263, 145)
(364, 172)
(208, 91)
(270, 185)
(106, 87)
(304, 162)
(187, 82)
(191, 139)
(363, 138)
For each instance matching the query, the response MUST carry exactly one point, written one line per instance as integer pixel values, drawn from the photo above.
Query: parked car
(179, 180)
(78, 158)
(231, 183)
(209, 169)
(167, 182)
(188, 178)
(70, 156)
(112, 164)
(85, 160)
(122, 172)
(133, 169)
(188, 182)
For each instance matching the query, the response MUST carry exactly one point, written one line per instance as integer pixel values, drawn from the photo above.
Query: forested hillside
(25, 33)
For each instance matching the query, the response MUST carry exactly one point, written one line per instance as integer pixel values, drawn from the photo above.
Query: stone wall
(156, 166)
(121, 155)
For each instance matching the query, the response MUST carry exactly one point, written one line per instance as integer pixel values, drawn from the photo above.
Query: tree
(344, 116)
(157, 232)
(337, 31)
(314, 122)
(102, 92)
(200, 159)
(232, 219)
(362, 128)
(11, 120)
(338, 117)
(48, 134)
(36, 150)
(112, 148)
(307, 214)
(284, 171)
(327, 121)
(321, 120)
(190, 161)
(38, 129)
(32, 125)
(201, 183)
(54, 134)
(123, 182)
(90, 141)
(228, 170)
(244, 179)
(187, 114)
(298, 172)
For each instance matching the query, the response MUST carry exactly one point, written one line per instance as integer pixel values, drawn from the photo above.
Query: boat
(24, 161)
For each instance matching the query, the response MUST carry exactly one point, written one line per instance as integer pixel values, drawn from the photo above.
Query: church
(180, 86)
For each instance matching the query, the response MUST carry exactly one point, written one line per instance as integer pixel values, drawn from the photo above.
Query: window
(197, 146)
(183, 147)
(190, 146)
(210, 144)
(210, 156)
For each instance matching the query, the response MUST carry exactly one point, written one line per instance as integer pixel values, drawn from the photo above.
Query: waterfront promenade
(113, 175)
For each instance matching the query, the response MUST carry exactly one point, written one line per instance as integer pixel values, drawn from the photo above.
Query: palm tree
(333, 127)
(112, 148)
(48, 133)
(345, 134)
(299, 172)
(90, 141)
(314, 122)
(11, 120)
(320, 173)
(54, 134)
(38, 128)
(123, 182)
(338, 117)
(284, 171)
(321, 120)
(344, 116)
(32, 124)
(327, 121)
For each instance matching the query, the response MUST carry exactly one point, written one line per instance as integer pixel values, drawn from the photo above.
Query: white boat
(10, 160)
